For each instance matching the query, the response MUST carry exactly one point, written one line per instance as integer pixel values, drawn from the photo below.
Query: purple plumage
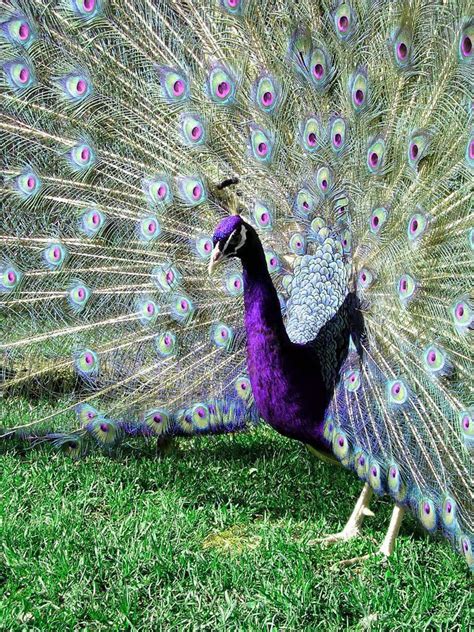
(347, 135)
(287, 378)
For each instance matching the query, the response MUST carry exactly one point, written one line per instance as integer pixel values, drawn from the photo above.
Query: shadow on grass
(290, 482)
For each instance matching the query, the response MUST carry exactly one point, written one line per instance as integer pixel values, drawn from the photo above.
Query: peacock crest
(341, 131)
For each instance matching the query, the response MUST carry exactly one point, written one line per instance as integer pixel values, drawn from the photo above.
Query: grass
(214, 536)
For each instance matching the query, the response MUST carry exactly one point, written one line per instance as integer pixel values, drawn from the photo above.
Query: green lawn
(213, 536)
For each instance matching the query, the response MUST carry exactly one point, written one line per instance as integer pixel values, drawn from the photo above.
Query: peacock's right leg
(352, 528)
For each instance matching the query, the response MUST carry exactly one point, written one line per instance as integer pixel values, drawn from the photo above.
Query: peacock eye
(344, 21)
(262, 215)
(55, 255)
(448, 512)
(9, 278)
(193, 191)
(305, 202)
(78, 295)
(427, 513)
(297, 244)
(266, 94)
(361, 464)
(324, 180)
(435, 360)
(311, 134)
(203, 246)
(470, 151)
(86, 413)
(376, 155)
(261, 144)
(18, 31)
(321, 70)
(20, 74)
(75, 87)
(148, 228)
(359, 90)
(401, 42)
(397, 392)
(273, 262)
(222, 336)
(91, 221)
(193, 131)
(346, 241)
(366, 278)
(337, 132)
(394, 480)
(328, 429)
(418, 147)
(156, 420)
(166, 345)
(87, 9)
(174, 83)
(157, 190)
(462, 314)
(86, 362)
(28, 184)
(377, 219)
(352, 380)
(182, 308)
(234, 284)
(221, 85)
(406, 286)
(235, 7)
(147, 311)
(82, 157)
(466, 424)
(416, 226)
(465, 43)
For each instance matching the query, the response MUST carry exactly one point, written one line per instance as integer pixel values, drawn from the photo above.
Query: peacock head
(233, 236)
(229, 239)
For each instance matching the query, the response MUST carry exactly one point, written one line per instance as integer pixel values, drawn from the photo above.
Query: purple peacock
(332, 145)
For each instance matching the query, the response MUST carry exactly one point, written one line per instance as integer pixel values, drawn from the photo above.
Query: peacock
(220, 211)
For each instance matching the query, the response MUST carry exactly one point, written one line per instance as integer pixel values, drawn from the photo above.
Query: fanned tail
(349, 127)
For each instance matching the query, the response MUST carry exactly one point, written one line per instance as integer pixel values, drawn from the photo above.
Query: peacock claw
(342, 536)
(351, 529)
(353, 561)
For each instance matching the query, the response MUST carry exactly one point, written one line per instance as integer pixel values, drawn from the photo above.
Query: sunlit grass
(214, 536)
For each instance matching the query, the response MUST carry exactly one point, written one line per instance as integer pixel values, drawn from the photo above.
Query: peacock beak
(216, 258)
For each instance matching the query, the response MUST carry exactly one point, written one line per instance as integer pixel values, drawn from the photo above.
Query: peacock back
(349, 127)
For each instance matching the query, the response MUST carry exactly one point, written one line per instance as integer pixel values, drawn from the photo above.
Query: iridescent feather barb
(349, 127)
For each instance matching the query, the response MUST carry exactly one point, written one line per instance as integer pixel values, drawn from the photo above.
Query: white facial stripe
(243, 237)
(228, 241)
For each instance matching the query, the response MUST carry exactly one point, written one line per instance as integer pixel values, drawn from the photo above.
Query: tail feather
(349, 126)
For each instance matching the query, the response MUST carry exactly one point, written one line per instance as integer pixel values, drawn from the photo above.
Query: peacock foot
(348, 533)
(386, 548)
(354, 561)
(352, 528)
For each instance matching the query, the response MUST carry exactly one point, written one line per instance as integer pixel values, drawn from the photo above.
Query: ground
(216, 535)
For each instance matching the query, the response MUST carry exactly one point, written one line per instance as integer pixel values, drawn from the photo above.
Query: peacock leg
(388, 544)
(352, 528)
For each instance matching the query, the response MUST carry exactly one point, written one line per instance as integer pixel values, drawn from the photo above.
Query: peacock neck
(263, 318)
(286, 378)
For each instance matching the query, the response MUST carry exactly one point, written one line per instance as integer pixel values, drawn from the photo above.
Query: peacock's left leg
(352, 528)
(388, 544)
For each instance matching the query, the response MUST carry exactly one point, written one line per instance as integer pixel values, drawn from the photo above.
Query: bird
(317, 159)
